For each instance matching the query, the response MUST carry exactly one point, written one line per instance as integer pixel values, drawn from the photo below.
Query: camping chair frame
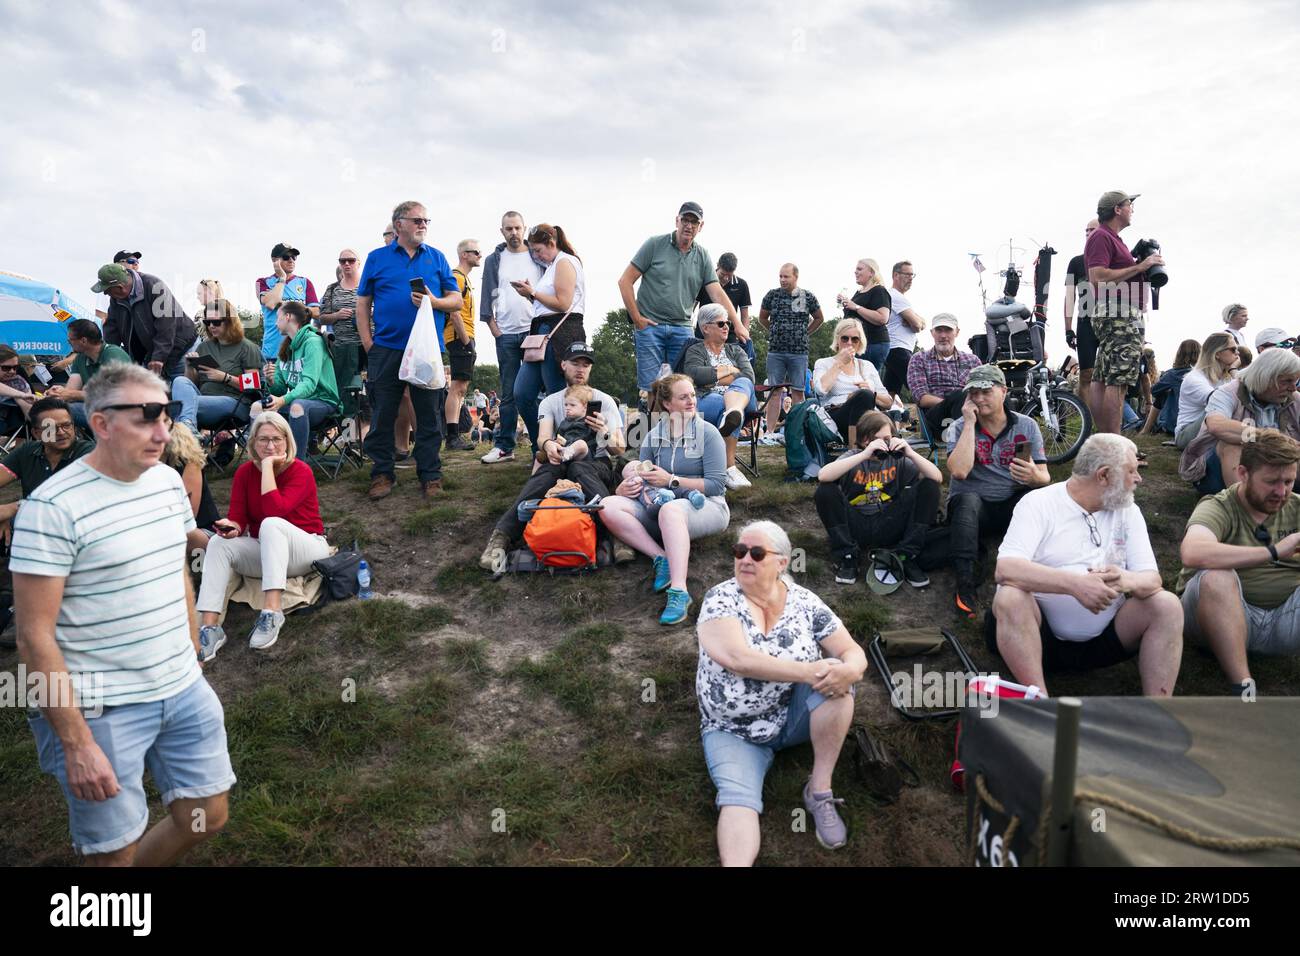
(876, 652)
(763, 394)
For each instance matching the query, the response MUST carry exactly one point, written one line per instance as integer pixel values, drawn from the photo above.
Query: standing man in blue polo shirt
(282, 286)
(386, 294)
(673, 270)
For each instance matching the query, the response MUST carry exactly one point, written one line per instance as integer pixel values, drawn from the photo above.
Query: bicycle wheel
(1065, 429)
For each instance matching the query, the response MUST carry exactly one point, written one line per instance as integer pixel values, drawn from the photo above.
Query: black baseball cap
(692, 209)
(283, 249)
(581, 350)
(123, 255)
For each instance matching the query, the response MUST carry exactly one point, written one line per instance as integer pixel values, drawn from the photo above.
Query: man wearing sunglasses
(146, 320)
(1078, 583)
(283, 285)
(106, 615)
(55, 446)
(92, 354)
(1240, 581)
(129, 259)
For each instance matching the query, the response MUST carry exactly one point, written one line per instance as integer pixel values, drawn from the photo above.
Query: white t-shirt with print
(1049, 528)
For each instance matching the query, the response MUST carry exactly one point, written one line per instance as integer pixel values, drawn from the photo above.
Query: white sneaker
(735, 479)
(267, 630)
(497, 455)
(769, 440)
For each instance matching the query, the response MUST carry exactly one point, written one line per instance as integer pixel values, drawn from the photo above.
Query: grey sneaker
(267, 630)
(493, 557)
(831, 831)
(212, 637)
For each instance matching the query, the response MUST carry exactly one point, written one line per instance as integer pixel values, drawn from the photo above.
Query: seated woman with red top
(273, 532)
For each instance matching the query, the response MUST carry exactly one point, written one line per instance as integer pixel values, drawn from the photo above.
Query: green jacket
(309, 373)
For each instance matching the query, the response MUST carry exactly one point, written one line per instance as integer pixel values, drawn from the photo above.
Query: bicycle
(1038, 392)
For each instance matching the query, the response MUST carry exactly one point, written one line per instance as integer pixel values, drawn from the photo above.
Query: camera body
(1156, 275)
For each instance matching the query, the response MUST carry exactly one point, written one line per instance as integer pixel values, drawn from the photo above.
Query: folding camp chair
(925, 441)
(763, 395)
(336, 441)
(914, 642)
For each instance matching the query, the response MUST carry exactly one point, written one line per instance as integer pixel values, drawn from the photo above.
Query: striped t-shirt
(123, 624)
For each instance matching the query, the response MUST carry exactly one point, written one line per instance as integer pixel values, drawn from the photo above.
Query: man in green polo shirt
(56, 445)
(1240, 581)
(673, 269)
(93, 353)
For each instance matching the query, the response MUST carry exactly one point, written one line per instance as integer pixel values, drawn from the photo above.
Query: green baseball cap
(110, 276)
(1116, 197)
(985, 376)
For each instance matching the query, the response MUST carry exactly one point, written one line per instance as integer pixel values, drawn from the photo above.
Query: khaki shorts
(1270, 631)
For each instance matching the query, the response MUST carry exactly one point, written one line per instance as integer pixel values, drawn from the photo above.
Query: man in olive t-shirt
(93, 353)
(1241, 573)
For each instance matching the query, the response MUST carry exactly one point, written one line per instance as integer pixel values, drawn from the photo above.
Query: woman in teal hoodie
(304, 375)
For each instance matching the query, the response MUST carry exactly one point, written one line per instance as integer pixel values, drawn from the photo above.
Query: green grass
(433, 518)
(383, 623)
(575, 672)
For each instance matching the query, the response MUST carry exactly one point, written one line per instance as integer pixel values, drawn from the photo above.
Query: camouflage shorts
(1119, 349)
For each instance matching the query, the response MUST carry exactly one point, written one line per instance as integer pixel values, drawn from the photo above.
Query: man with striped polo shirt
(106, 614)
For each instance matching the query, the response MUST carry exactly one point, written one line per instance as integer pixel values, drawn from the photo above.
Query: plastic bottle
(363, 580)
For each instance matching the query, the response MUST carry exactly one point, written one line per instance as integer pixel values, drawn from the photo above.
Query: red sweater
(294, 499)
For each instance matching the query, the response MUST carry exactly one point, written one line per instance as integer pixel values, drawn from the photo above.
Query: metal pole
(1064, 768)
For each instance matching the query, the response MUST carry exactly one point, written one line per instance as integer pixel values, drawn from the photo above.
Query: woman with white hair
(848, 386)
(1263, 396)
(724, 381)
(776, 669)
(273, 532)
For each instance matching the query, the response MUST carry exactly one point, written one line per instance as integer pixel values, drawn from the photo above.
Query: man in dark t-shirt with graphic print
(737, 290)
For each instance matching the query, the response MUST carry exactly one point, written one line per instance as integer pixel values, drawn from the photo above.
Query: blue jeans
(314, 412)
(181, 739)
(530, 380)
(738, 766)
(386, 388)
(712, 407)
(876, 355)
(510, 355)
(205, 411)
(655, 345)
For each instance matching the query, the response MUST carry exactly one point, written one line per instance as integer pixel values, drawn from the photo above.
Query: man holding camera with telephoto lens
(881, 494)
(1120, 290)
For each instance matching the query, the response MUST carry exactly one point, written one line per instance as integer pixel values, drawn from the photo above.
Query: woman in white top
(561, 289)
(1219, 356)
(848, 386)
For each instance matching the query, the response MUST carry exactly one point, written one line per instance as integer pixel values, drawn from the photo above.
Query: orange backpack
(561, 535)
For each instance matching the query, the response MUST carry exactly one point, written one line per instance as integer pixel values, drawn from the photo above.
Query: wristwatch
(673, 483)
(1273, 559)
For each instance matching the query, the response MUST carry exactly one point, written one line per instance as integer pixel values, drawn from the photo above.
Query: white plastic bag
(422, 361)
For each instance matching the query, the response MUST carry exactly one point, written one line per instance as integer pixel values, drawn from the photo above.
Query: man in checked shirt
(937, 376)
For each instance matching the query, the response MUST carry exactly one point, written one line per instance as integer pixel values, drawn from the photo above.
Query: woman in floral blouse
(776, 669)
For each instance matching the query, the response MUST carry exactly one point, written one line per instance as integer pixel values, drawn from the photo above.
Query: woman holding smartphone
(273, 532)
(561, 289)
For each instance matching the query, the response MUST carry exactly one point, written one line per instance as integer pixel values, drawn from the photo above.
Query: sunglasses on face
(288, 258)
(418, 222)
(149, 410)
(849, 338)
(210, 323)
(346, 262)
(9, 368)
(723, 325)
(756, 551)
(60, 427)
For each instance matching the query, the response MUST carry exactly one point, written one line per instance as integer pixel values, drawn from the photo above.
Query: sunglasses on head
(756, 551)
(149, 410)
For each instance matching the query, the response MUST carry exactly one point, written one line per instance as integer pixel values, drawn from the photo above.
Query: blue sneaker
(675, 610)
(662, 577)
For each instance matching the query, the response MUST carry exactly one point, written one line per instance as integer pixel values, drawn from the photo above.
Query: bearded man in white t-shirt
(1078, 583)
(509, 316)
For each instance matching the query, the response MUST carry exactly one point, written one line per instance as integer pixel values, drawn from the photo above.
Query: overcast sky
(204, 133)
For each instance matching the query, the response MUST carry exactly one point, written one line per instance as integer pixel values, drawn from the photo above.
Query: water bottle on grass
(363, 580)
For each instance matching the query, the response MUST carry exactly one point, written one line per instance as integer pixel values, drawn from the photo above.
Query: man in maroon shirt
(1120, 292)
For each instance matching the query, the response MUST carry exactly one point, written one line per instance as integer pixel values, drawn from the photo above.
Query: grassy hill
(540, 720)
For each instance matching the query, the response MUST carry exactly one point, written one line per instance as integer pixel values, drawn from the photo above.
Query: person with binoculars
(881, 494)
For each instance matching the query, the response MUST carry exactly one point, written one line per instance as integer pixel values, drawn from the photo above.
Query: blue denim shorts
(787, 367)
(738, 766)
(182, 740)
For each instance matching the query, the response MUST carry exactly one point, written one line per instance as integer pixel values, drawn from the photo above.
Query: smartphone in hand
(1024, 450)
(417, 285)
(593, 408)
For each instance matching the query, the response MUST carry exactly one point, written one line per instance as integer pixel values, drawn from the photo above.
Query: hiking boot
(966, 602)
(735, 479)
(493, 557)
(497, 455)
(846, 569)
(267, 630)
(459, 444)
(662, 577)
(913, 574)
(381, 486)
(623, 553)
(831, 831)
(675, 610)
(733, 420)
(431, 489)
(212, 637)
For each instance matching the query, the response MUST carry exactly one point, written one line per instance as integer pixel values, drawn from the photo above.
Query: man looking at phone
(994, 457)
(395, 280)
(92, 353)
(106, 616)
(1078, 583)
(283, 285)
(509, 316)
(595, 472)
